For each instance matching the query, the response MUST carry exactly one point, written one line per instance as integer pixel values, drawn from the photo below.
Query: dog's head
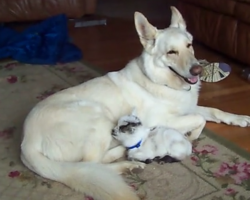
(169, 51)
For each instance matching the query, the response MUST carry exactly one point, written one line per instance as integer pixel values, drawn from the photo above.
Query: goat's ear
(146, 31)
(134, 111)
(177, 20)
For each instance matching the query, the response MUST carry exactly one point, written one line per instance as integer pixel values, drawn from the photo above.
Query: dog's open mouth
(191, 80)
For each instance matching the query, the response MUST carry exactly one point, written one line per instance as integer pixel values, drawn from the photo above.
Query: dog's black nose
(195, 70)
(113, 132)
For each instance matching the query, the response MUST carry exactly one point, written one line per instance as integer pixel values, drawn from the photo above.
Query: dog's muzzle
(195, 71)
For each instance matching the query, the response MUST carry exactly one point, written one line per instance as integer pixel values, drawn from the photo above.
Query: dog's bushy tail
(92, 179)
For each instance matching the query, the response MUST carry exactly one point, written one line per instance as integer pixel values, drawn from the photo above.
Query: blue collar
(135, 146)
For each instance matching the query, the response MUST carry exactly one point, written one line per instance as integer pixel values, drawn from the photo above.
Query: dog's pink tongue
(193, 79)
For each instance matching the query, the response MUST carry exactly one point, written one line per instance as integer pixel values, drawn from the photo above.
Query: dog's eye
(189, 45)
(172, 52)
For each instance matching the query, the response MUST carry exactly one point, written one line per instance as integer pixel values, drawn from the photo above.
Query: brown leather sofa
(30, 10)
(223, 25)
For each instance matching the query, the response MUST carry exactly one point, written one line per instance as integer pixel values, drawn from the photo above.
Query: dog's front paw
(136, 165)
(241, 120)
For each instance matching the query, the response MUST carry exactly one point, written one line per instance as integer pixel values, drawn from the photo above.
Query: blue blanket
(47, 42)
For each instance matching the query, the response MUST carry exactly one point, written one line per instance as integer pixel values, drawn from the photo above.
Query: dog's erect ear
(145, 30)
(177, 20)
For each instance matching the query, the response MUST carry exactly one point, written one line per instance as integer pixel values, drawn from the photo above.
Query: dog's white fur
(67, 137)
(150, 142)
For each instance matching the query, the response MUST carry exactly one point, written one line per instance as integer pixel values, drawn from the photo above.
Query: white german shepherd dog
(67, 137)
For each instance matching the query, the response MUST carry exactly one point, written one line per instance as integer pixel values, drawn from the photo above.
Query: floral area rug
(213, 172)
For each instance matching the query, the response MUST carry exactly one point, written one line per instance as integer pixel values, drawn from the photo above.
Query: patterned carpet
(213, 172)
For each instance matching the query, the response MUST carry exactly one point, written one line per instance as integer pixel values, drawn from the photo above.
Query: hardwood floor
(111, 47)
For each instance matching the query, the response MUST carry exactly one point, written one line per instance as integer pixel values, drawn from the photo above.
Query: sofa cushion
(245, 1)
(243, 43)
(222, 6)
(221, 32)
(242, 12)
(226, 34)
(29, 10)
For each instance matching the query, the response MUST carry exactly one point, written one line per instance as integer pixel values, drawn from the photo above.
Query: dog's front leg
(216, 115)
(192, 123)
(114, 154)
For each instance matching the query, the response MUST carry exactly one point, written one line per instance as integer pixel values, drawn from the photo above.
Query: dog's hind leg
(216, 115)
(192, 124)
